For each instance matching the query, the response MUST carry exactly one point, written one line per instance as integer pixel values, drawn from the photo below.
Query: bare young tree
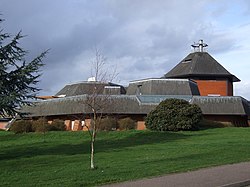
(97, 101)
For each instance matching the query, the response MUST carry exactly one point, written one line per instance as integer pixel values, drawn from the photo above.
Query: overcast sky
(142, 38)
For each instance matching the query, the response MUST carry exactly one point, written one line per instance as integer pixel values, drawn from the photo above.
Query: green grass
(63, 158)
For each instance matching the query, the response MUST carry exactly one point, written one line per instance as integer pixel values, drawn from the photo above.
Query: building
(212, 78)
(198, 78)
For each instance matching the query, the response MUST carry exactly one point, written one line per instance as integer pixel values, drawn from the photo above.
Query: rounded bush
(57, 125)
(107, 124)
(21, 126)
(174, 115)
(40, 125)
(126, 124)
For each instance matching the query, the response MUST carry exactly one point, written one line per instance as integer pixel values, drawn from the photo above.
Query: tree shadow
(10, 136)
(144, 138)
(102, 145)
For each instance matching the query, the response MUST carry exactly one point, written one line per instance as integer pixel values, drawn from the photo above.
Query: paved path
(234, 175)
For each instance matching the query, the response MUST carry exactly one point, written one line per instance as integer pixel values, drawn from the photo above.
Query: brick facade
(215, 87)
(140, 125)
(77, 125)
(68, 124)
(3, 124)
(87, 124)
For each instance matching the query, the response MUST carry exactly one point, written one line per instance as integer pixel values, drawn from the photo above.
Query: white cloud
(242, 89)
(144, 38)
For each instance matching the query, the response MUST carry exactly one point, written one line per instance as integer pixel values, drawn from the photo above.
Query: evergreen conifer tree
(18, 78)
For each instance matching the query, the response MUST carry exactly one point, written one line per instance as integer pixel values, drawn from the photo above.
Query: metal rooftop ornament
(200, 45)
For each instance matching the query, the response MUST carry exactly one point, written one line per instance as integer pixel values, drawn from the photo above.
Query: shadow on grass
(7, 136)
(102, 145)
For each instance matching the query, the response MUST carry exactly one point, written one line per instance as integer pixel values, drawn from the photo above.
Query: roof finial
(199, 45)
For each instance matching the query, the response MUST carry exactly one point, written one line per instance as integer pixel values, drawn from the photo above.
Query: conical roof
(202, 65)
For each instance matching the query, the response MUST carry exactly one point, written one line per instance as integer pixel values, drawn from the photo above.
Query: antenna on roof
(200, 45)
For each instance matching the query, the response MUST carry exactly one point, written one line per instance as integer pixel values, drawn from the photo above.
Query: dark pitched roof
(132, 104)
(163, 87)
(199, 64)
(88, 88)
(227, 105)
(117, 104)
(156, 99)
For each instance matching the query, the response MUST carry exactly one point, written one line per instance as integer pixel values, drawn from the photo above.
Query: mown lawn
(63, 158)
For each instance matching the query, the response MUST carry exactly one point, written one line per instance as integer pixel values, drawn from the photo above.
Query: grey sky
(143, 38)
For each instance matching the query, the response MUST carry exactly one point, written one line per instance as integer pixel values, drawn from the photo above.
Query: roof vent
(91, 79)
(61, 96)
(187, 61)
(200, 45)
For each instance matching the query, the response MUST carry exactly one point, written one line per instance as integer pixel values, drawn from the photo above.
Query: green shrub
(214, 124)
(21, 126)
(174, 115)
(107, 124)
(126, 124)
(40, 125)
(57, 125)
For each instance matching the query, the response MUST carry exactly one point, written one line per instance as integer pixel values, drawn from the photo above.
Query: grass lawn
(63, 158)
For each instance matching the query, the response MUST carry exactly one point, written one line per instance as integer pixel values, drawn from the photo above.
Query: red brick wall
(68, 125)
(3, 124)
(140, 125)
(236, 120)
(77, 125)
(88, 124)
(230, 88)
(215, 87)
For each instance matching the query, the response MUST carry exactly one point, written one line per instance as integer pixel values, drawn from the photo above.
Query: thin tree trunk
(92, 164)
(92, 153)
